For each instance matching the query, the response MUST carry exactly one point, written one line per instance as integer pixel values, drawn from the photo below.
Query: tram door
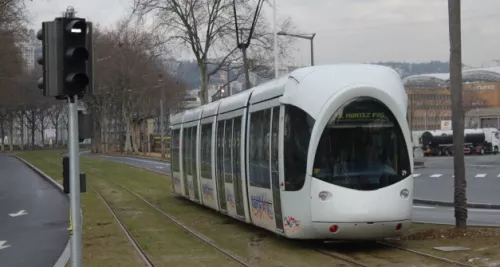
(275, 119)
(237, 181)
(219, 159)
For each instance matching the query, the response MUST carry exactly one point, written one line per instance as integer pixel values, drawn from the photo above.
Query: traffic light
(67, 51)
(75, 56)
(50, 82)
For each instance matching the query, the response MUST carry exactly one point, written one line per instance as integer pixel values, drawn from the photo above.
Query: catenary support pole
(275, 36)
(74, 183)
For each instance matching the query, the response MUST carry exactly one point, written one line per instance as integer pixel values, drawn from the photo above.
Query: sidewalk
(450, 204)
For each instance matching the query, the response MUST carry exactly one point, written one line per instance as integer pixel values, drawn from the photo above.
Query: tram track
(364, 259)
(196, 234)
(145, 258)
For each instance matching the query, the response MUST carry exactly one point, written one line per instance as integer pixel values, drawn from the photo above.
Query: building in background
(429, 99)
(29, 49)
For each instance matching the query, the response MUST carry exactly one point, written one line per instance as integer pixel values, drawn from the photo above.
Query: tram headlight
(404, 193)
(324, 195)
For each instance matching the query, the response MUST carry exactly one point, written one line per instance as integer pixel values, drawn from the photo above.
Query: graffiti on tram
(230, 200)
(262, 208)
(291, 224)
(207, 192)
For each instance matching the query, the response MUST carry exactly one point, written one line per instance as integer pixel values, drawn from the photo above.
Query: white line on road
(436, 175)
(160, 167)
(481, 166)
(498, 175)
(423, 207)
(19, 213)
(481, 175)
(416, 174)
(485, 210)
(2, 244)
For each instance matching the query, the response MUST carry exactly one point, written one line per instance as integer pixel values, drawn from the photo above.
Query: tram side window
(297, 134)
(187, 150)
(206, 149)
(175, 150)
(219, 157)
(228, 132)
(236, 148)
(193, 151)
(259, 148)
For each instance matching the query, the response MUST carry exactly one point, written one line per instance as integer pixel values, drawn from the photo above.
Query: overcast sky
(350, 30)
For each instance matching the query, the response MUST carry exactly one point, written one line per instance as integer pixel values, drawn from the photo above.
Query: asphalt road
(33, 217)
(435, 181)
(425, 214)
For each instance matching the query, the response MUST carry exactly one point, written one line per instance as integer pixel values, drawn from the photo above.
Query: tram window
(236, 148)
(274, 147)
(362, 148)
(228, 136)
(259, 148)
(175, 150)
(187, 150)
(206, 148)
(219, 157)
(297, 134)
(193, 152)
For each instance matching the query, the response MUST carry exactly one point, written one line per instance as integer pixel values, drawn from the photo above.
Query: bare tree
(126, 84)
(205, 26)
(460, 199)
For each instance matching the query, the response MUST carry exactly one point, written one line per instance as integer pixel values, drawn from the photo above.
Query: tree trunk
(204, 84)
(2, 134)
(21, 126)
(248, 85)
(460, 197)
(11, 131)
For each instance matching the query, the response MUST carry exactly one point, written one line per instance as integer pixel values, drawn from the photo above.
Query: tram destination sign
(361, 118)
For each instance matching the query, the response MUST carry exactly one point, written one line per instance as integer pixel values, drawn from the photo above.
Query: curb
(450, 204)
(64, 258)
(133, 156)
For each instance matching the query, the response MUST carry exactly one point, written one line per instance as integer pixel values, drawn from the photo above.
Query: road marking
(498, 175)
(481, 175)
(423, 207)
(484, 210)
(436, 175)
(2, 244)
(476, 165)
(418, 174)
(160, 167)
(19, 213)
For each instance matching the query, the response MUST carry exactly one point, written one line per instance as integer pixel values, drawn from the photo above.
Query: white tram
(322, 153)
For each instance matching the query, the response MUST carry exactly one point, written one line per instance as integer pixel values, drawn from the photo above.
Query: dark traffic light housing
(67, 57)
(66, 169)
(75, 56)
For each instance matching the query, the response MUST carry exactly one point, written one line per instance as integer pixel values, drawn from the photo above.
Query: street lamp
(303, 36)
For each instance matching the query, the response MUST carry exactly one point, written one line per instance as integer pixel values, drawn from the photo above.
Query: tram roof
(192, 114)
(210, 109)
(314, 86)
(308, 88)
(236, 101)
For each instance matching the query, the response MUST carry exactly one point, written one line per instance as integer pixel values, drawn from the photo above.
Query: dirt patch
(453, 233)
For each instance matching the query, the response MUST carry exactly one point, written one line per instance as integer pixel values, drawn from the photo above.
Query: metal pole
(275, 41)
(162, 119)
(312, 51)
(74, 183)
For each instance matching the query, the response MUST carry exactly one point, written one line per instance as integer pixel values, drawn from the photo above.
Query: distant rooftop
(434, 80)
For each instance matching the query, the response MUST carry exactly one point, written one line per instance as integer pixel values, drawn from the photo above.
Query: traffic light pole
(74, 183)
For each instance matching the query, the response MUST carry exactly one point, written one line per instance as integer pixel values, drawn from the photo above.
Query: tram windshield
(362, 147)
